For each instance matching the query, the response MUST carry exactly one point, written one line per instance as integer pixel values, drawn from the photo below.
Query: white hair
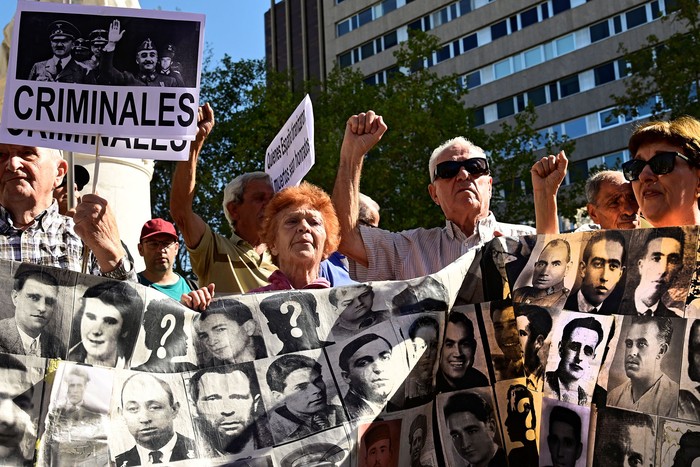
(233, 193)
(458, 141)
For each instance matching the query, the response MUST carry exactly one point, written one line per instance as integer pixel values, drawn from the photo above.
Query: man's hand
(96, 226)
(548, 173)
(115, 33)
(199, 299)
(205, 123)
(362, 132)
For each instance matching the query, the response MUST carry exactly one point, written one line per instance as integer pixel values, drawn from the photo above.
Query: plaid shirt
(49, 241)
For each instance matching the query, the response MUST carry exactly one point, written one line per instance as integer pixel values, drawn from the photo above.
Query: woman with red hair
(300, 229)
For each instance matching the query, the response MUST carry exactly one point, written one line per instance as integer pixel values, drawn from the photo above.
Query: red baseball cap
(158, 226)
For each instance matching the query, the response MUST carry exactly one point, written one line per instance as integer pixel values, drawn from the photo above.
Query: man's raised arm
(184, 179)
(547, 175)
(362, 132)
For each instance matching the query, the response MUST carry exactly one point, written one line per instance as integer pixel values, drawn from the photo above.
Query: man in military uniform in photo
(550, 269)
(61, 67)
(169, 67)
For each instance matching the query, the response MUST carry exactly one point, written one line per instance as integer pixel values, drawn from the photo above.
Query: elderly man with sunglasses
(460, 185)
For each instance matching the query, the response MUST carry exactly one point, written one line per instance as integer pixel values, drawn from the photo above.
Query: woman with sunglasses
(665, 171)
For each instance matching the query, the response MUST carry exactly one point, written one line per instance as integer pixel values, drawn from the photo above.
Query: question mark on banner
(296, 307)
(169, 321)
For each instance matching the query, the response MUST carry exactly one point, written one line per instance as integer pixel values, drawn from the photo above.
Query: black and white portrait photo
(227, 333)
(678, 443)
(21, 390)
(624, 438)
(229, 415)
(601, 278)
(534, 331)
(462, 360)
(504, 344)
(469, 428)
(420, 295)
(106, 324)
(575, 357)
(689, 397)
(548, 278)
(299, 390)
(422, 334)
(41, 305)
(417, 446)
(646, 370)
(657, 277)
(519, 410)
(293, 320)
(163, 346)
(563, 434)
(154, 411)
(379, 443)
(353, 310)
(77, 424)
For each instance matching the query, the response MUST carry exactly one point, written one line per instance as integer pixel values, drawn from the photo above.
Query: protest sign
(116, 72)
(291, 154)
(301, 377)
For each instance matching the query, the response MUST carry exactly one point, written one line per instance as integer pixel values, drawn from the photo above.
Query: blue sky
(234, 27)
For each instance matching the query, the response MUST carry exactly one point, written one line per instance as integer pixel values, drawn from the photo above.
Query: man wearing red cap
(158, 245)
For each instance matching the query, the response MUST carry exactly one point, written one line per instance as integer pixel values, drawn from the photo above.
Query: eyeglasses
(475, 166)
(154, 245)
(661, 164)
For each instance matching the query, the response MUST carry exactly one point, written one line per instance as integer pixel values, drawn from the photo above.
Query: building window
(533, 57)
(565, 44)
(537, 96)
(614, 160)
(607, 119)
(575, 128)
(569, 86)
(470, 42)
(390, 40)
(388, 6)
(578, 171)
(499, 29)
(559, 6)
(505, 107)
(367, 50)
(364, 17)
(473, 79)
(599, 31)
(502, 69)
(479, 117)
(604, 73)
(443, 54)
(617, 24)
(465, 6)
(345, 60)
(529, 17)
(636, 17)
(343, 27)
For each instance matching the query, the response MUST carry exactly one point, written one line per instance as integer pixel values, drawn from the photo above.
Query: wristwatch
(122, 270)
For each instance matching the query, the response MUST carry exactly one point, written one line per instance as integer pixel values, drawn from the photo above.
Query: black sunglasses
(475, 166)
(661, 164)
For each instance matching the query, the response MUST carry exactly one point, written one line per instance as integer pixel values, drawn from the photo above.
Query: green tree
(667, 68)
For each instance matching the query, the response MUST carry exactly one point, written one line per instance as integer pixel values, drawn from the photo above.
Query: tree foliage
(667, 68)
(422, 109)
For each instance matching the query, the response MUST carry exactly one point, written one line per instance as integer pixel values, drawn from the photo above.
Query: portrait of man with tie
(149, 410)
(297, 386)
(61, 67)
(29, 332)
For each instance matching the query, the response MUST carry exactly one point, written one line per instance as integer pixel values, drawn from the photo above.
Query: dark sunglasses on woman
(476, 166)
(661, 164)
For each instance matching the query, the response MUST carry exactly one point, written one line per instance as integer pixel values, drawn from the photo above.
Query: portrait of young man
(379, 446)
(563, 434)
(548, 274)
(506, 352)
(458, 354)
(624, 438)
(534, 326)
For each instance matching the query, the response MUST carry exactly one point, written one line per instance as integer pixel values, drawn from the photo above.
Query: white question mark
(169, 321)
(284, 309)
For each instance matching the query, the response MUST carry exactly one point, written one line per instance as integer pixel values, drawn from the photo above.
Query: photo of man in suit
(149, 410)
(659, 269)
(61, 67)
(35, 298)
(366, 366)
(577, 350)
(689, 399)
(564, 437)
(601, 269)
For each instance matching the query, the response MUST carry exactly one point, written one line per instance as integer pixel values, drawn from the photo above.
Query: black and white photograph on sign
(550, 273)
(331, 448)
(379, 443)
(164, 343)
(600, 279)
(108, 68)
(578, 344)
(227, 410)
(469, 428)
(77, 424)
(462, 358)
(519, 410)
(693, 299)
(37, 320)
(299, 391)
(417, 447)
(150, 420)
(422, 334)
(290, 322)
(353, 310)
(645, 373)
(623, 437)
(600, 392)
(689, 397)
(496, 254)
(504, 343)
(678, 444)
(226, 333)
(420, 295)
(563, 434)
(106, 322)
(535, 333)
(258, 459)
(21, 391)
(372, 370)
(659, 273)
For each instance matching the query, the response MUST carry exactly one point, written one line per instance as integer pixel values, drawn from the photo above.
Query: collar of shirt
(639, 305)
(27, 341)
(45, 219)
(583, 304)
(483, 232)
(166, 450)
(64, 61)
